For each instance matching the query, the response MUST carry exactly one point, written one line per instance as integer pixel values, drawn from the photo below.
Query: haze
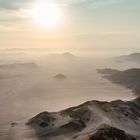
(83, 24)
(50, 50)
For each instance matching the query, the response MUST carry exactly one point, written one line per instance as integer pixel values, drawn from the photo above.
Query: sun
(46, 14)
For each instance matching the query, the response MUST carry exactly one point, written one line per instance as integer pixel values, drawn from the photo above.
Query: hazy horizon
(76, 23)
(57, 54)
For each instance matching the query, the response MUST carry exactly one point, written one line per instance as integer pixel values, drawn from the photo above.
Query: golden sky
(69, 23)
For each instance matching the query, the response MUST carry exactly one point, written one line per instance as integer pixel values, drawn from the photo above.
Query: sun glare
(46, 14)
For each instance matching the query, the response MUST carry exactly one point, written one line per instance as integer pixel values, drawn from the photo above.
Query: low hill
(60, 76)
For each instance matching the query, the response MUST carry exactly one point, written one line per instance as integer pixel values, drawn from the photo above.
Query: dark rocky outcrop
(135, 57)
(110, 133)
(83, 114)
(60, 76)
(43, 119)
(75, 125)
(129, 78)
(93, 120)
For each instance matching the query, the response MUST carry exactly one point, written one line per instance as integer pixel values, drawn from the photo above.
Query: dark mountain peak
(118, 102)
(131, 57)
(60, 76)
(132, 70)
(107, 132)
(129, 78)
(43, 119)
(137, 101)
(134, 54)
(62, 55)
(68, 54)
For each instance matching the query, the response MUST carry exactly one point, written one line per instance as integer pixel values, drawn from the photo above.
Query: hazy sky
(84, 23)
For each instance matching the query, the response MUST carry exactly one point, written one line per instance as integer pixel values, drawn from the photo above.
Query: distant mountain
(131, 57)
(18, 65)
(66, 55)
(129, 78)
(93, 120)
(60, 76)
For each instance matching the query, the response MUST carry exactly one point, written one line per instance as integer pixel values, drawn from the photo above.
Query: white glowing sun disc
(47, 14)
